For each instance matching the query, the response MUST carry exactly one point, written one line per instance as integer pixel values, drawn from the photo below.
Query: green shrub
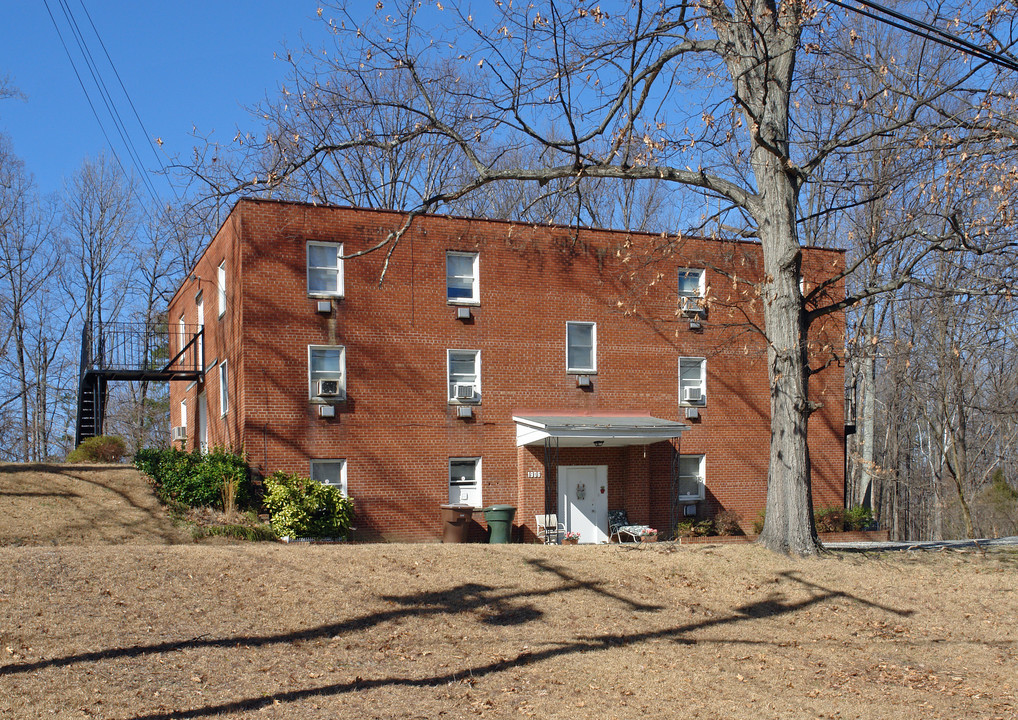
(684, 529)
(197, 479)
(728, 522)
(303, 508)
(704, 528)
(758, 524)
(830, 519)
(693, 528)
(101, 449)
(858, 518)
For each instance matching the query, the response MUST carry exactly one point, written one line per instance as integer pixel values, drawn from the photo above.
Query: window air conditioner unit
(327, 411)
(692, 413)
(464, 411)
(180, 433)
(692, 395)
(325, 306)
(462, 313)
(692, 306)
(328, 388)
(463, 391)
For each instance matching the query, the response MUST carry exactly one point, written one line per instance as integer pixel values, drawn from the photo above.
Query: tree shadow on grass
(771, 607)
(498, 606)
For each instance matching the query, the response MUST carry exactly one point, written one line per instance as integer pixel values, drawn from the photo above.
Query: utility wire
(107, 101)
(107, 98)
(88, 98)
(928, 32)
(137, 116)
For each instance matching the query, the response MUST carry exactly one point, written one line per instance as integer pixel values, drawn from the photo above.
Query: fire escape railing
(132, 351)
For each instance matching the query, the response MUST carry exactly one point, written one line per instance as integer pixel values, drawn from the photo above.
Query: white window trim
(478, 479)
(181, 332)
(475, 299)
(183, 413)
(701, 478)
(593, 349)
(224, 389)
(312, 389)
(199, 304)
(703, 382)
(701, 285)
(221, 287)
(342, 472)
(448, 377)
(340, 275)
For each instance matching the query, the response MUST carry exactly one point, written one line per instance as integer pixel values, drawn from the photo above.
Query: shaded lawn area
(64, 504)
(503, 631)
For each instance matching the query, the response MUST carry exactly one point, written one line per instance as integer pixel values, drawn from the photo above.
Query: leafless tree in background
(716, 97)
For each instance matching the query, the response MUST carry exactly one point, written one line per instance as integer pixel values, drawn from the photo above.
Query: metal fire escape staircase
(131, 351)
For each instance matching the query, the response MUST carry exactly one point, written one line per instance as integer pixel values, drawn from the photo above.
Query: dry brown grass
(59, 504)
(431, 631)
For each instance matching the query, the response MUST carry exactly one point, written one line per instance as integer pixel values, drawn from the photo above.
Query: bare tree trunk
(867, 410)
(19, 345)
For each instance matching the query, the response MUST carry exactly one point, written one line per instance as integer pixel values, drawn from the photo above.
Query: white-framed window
(182, 333)
(462, 284)
(692, 381)
(691, 282)
(465, 481)
(463, 370)
(330, 472)
(326, 372)
(581, 347)
(183, 413)
(221, 287)
(691, 291)
(224, 389)
(325, 269)
(692, 473)
(199, 302)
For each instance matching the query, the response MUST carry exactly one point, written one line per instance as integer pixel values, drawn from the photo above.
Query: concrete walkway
(978, 544)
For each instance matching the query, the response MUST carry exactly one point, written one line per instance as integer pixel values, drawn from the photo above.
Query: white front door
(583, 501)
(203, 423)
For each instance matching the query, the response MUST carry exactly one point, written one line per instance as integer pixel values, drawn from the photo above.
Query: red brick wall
(396, 429)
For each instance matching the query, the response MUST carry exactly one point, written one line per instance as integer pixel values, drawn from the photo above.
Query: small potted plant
(571, 538)
(648, 535)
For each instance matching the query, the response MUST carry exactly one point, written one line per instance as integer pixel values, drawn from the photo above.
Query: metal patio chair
(618, 525)
(549, 529)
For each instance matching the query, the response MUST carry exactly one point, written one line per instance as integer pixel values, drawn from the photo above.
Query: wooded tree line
(788, 122)
(92, 252)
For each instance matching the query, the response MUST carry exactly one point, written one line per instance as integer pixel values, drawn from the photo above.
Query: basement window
(330, 472)
(465, 481)
(692, 474)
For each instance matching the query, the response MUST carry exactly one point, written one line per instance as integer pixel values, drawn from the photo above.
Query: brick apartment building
(550, 368)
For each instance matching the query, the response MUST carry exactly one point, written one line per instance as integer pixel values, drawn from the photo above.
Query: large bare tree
(721, 98)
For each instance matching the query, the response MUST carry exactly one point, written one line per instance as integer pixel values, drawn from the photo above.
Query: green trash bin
(500, 523)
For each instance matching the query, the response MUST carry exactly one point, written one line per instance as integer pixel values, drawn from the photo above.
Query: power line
(106, 98)
(928, 32)
(137, 116)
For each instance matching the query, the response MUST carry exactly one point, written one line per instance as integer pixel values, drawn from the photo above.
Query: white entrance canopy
(595, 431)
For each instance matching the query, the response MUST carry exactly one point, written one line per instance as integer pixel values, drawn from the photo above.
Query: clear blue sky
(184, 63)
